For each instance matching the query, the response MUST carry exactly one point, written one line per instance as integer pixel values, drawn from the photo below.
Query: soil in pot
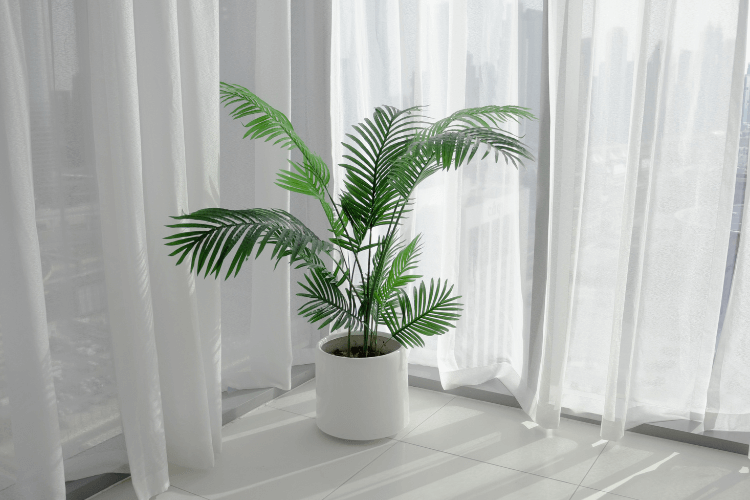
(340, 347)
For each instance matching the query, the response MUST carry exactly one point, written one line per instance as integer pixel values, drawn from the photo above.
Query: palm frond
(488, 117)
(403, 262)
(311, 176)
(213, 233)
(371, 151)
(429, 154)
(386, 157)
(327, 303)
(431, 312)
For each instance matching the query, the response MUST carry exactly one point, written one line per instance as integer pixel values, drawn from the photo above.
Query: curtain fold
(270, 362)
(199, 66)
(646, 293)
(612, 307)
(477, 222)
(165, 191)
(258, 339)
(110, 126)
(32, 456)
(111, 122)
(728, 408)
(117, 141)
(281, 52)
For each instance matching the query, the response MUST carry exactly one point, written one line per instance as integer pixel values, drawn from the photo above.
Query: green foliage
(370, 265)
(431, 312)
(214, 233)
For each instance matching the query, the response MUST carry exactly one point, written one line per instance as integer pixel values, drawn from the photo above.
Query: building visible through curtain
(612, 305)
(121, 108)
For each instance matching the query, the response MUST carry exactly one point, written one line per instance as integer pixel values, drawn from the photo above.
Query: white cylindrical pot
(361, 398)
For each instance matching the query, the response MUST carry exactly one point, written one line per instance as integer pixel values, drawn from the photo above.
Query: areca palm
(356, 277)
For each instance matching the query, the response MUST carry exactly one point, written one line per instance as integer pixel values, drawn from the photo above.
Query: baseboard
(427, 378)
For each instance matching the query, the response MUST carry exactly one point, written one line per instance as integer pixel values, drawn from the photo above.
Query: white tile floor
(454, 448)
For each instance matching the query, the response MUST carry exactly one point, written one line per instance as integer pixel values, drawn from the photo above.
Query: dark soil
(359, 352)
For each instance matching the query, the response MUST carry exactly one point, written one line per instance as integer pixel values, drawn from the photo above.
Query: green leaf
(220, 231)
(370, 200)
(429, 313)
(487, 117)
(311, 176)
(428, 155)
(327, 303)
(403, 262)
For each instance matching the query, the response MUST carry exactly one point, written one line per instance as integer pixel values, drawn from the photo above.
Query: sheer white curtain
(110, 125)
(595, 285)
(280, 51)
(644, 134)
(477, 222)
(112, 356)
(729, 387)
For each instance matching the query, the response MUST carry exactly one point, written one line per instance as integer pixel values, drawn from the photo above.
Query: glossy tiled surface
(507, 437)
(454, 448)
(125, 491)
(648, 468)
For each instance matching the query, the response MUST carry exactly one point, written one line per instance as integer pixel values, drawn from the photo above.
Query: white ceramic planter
(361, 398)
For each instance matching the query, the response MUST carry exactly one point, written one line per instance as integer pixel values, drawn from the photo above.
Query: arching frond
(398, 271)
(370, 152)
(429, 312)
(327, 304)
(429, 154)
(213, 233)
(309, 177)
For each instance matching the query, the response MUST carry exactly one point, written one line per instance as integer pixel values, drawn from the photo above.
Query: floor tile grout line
(580, 485)
(401, 440)
(186, 491)
(574, 492)
(605, 492)
(289, 411)
(393, 443)
(426, 419)
(489, 463)
(592, 465)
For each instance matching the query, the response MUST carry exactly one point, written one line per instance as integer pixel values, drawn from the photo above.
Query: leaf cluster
(358, 277)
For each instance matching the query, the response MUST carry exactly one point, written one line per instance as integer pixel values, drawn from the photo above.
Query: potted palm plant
(357, 276)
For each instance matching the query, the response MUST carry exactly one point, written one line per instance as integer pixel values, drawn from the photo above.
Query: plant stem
(368, 292)
(349, 336)
(346, 231)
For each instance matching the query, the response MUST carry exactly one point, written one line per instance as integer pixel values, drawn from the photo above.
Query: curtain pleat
(199, 65)
(613, 306)
(25, 367)
(117, 138)
(121, 120)
(266, 357)
(311, 112)
(565, 95)
(654, 213)
(175, 308)
(282, 52)
(728, 407)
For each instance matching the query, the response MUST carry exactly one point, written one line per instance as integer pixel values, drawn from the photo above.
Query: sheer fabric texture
(643, 159)
(593, 278)
(110, 125)
(476, 222)
(280, 51)
(112, 357)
